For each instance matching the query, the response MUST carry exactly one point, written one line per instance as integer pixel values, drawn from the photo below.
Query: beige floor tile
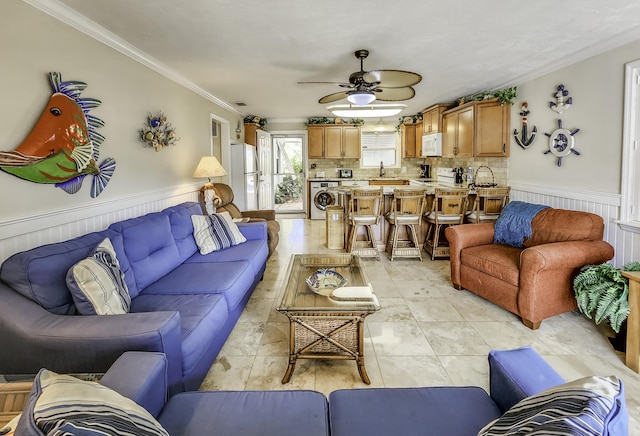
(467, 370)
(413, 371)
(267, 373)
(400, 338)
(454, 339)
(433, 309)
(228, 373)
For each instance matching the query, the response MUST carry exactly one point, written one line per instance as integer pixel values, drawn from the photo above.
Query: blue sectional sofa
(452, 411)
(183, 304)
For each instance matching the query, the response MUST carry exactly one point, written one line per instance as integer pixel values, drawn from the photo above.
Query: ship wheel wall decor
(562, 143)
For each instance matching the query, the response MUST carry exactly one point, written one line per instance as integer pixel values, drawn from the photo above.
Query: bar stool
(488, 204)
(365, 208)
(407, 207)
(449, 206)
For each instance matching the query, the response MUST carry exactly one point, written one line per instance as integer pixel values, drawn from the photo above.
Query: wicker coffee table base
(326, 335)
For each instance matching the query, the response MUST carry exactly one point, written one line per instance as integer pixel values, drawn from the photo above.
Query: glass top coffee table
(326, 326)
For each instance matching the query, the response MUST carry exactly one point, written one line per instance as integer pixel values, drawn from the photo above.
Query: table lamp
(209, 167)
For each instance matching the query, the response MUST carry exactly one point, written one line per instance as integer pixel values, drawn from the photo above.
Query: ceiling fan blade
(333, 97)
(392, 78)
(395, 94)
(343, 84)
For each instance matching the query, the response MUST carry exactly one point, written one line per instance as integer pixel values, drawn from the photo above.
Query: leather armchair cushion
(500, 261)
(556, 225)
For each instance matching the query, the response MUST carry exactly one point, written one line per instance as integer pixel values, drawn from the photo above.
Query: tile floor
(426, 333)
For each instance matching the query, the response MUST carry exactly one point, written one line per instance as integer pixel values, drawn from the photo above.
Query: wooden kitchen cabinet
(408, 140)
(315, 138)
(457, 133)
(492, 129)
(432, 118)
(476, 129)
(334, 141)
(251, 134)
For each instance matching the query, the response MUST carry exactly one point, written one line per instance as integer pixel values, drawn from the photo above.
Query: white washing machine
(321, 198)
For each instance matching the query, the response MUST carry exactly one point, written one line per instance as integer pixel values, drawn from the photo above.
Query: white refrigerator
(244, 176)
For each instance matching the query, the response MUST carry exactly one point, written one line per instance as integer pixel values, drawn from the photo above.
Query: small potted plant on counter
(602, 294)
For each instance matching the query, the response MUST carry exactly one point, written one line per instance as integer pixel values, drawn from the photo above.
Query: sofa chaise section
(183, 304)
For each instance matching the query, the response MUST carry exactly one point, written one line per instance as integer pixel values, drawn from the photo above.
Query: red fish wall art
(63, 147)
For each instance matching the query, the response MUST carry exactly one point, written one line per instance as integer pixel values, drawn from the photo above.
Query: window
(630, 189)
(380, 147)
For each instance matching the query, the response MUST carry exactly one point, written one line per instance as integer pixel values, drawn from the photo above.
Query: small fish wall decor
(523, 139)
(63, 147)
(562, 103)
(157, 132)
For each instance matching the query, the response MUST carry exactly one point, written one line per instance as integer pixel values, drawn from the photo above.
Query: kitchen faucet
(381, 169)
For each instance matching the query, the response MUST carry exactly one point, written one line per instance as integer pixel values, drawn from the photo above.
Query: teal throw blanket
(514, 223)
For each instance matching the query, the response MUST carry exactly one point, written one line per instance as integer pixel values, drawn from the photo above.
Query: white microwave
(432, 144)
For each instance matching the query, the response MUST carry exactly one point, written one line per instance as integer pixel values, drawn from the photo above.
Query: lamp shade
(209, 167)
(361, 97)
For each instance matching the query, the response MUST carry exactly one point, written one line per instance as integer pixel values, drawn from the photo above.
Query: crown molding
(70, 17)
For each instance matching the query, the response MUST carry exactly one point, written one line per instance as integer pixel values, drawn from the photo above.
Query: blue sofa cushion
(97, 284)
(182, 227)
(588, 406)
(281, 413)
(89, 408)
(202, 317)
(151, 250)
(434, 411)
(40, 273)
(254, 250)
(231, 279)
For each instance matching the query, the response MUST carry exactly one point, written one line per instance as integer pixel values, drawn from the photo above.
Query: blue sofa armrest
(518, 373)
(142, 377)
(257, 230)
(32, 338)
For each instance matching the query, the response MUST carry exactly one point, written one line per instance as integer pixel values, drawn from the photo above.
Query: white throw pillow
(97, 284)
(215, 232)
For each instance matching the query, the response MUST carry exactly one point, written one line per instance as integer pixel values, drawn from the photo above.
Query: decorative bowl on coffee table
(324, 281)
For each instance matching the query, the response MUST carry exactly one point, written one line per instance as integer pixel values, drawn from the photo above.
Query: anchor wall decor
(523, 139)
(561, 104)
(562, 143)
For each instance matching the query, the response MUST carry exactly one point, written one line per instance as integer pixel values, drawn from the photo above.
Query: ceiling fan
(367, 86)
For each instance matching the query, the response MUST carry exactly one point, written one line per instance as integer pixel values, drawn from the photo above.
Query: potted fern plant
(602, 294)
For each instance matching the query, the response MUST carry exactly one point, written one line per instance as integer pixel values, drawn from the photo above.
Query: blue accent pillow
(585, 407)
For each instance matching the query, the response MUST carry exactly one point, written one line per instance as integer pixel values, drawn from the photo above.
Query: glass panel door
(288, 175)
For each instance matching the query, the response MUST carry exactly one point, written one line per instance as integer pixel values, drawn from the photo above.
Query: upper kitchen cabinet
(334, 141)
(476, 129)
(409, 139)
(457, 133)
(251, 134)
(432, 118)
(492, 126)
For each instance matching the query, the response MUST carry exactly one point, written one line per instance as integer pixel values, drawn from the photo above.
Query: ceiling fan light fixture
(366, 111)
(361, 98)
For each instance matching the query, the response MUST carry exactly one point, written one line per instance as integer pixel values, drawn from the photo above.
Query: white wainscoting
(19, 234)
(603, 204)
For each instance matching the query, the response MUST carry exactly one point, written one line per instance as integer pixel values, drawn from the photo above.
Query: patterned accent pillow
(97, 284)
(215, 232)
(62, 404)
(588, 406)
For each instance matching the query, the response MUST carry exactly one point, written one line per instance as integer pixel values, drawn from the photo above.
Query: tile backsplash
(499, 167)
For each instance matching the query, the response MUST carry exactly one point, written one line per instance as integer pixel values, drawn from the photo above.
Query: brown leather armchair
(534, 282)
(225, 203)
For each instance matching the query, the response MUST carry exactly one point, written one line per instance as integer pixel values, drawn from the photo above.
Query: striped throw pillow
(97, 284)
(215, 232)
(585, 407)
(65, 405)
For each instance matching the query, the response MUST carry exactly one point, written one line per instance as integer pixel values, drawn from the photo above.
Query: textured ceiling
(255, 51)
